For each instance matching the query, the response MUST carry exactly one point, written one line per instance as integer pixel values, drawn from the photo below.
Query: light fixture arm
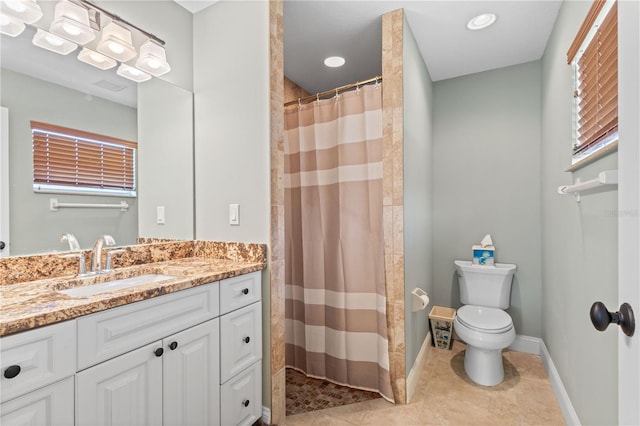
(118, 19)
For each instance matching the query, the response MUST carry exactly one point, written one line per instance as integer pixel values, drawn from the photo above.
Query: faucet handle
(72, 240)
(82, 266)
(108, 240)
(110, 253)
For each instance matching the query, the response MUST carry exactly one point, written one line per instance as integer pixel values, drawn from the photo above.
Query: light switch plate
(160, 220)
(234, 214)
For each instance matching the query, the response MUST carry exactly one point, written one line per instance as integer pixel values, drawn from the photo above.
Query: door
(629, 207)
(4, 182)
(124, 391)
(192, 376)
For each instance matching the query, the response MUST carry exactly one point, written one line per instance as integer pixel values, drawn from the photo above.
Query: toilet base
(484, 367)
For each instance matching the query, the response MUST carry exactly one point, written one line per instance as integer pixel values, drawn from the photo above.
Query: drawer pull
(245, 402)
(12, 371)
(246, 339)
(158, 352)
(245, 291)
(173, 345)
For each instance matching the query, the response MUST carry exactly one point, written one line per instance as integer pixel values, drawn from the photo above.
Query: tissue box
(483, 255)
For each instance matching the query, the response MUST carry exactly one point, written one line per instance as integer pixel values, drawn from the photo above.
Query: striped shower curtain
(336, 326)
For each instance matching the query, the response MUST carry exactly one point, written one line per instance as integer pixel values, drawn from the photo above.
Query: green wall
(579, 244)
(418, 192)
(486, 180)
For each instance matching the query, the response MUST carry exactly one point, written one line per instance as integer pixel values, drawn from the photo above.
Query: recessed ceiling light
(334, 61)
(481, 21)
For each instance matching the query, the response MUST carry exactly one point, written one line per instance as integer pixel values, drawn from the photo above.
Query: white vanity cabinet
(50, 405)
(171, 381)
(36, 386)
(241, 349)
(192, 357)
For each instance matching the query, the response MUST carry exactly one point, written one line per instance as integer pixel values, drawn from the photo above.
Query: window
(73, 161)
(594, 56)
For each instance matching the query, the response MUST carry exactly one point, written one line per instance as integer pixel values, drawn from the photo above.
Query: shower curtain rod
(317, 96)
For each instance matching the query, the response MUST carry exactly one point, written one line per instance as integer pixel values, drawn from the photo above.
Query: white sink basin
(90, 290)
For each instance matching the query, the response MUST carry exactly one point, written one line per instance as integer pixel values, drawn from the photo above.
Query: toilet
(482, 322)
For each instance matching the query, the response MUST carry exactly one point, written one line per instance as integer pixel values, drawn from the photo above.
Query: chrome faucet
(96, 253)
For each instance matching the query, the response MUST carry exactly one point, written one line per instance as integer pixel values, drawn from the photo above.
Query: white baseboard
(570, 415)
(266, 415)
(414, 375)
(536, 346)
(526, 344)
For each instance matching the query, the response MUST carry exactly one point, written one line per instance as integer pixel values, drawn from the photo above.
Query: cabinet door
(51, 405)
(241, 398)
(240, 340)
(36, 358)
(191, 371)
(126, 390)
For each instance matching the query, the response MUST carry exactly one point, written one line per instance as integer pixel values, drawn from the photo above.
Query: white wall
(165, 157)
(231, 99)
(418, 192)
(486, 179)
(579, 244)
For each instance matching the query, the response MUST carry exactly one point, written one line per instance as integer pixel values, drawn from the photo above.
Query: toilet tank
(484, 285)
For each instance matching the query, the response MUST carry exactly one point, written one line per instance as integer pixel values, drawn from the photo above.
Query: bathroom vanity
(186, 350)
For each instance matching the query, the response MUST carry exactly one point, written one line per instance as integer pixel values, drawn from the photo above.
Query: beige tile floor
(445, 396)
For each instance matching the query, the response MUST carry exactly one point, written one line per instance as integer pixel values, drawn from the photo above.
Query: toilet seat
(483, 319)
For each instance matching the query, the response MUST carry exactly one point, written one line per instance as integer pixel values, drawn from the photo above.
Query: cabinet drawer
(241, 397)
(239, 291)
(240, 340)
(51, 405)
(107, 334)
(39, 357)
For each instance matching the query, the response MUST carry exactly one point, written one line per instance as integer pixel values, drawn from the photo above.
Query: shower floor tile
(306, 394)
(446, 396)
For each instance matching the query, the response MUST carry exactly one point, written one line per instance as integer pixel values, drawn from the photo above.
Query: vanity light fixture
(53, 43)
(481, 21)
(72, 22)
(116, 42)
(132, 73)
(153, 59)
(96, 59)
(27, 11)
(10, 26)
(334, 61)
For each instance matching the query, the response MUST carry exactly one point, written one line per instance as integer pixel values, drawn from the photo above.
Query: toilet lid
(489, 320)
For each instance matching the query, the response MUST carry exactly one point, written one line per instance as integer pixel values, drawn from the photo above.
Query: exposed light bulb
(115, 48)
(70, 29)
(154, 63)
(97, 57)
(15, 5)
(53, 40)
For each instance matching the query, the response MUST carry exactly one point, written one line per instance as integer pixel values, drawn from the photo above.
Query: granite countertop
(32, 304)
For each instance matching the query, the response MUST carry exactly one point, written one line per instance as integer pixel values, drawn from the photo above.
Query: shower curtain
(335, 304)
